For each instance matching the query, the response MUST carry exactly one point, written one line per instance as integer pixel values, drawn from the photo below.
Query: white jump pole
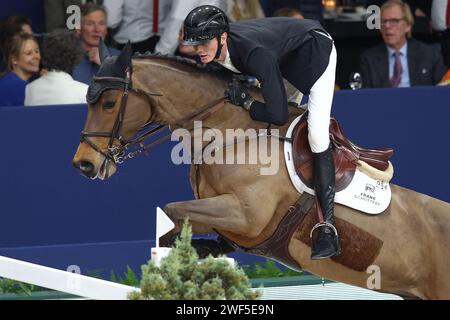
(63, 281)
(78, 284)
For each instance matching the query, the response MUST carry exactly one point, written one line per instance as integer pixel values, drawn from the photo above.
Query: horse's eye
(108, 104)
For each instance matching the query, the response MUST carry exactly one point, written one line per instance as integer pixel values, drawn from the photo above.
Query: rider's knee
(279, 119)
(318, 141)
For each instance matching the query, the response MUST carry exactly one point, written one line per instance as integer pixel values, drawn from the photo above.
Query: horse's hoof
(206, 247)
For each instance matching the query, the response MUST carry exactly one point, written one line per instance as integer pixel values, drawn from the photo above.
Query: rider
(269, 49)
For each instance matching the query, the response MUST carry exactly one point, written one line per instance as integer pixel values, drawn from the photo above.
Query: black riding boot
(326, 245)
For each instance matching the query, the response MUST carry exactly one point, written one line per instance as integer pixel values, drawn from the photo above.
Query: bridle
(118, 154)
(113, 152)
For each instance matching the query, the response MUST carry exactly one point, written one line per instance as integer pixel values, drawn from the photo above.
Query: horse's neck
(185, 93)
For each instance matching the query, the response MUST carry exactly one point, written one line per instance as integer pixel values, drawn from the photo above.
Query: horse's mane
(186, 61)
(191, 66)
(186, 64)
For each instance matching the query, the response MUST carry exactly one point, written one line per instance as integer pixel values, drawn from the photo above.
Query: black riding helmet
(203, 24)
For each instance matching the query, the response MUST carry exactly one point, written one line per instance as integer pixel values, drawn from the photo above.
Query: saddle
(346, 155)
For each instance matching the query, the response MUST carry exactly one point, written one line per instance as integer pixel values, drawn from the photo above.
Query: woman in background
(9, 27)
(22, 57)
(61, 52)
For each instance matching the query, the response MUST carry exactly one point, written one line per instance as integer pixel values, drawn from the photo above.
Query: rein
(211, 107)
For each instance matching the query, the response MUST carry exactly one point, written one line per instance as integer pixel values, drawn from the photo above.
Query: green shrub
(11, 286)
(268, 269)
(129, 278)
(183, 276)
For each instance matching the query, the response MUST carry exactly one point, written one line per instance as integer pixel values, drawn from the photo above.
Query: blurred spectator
(93, 28)
(134, 20)
(420, 8)
(61, 51)
(400, 62)
(10, 27)
(312, 9)
(22, 58)
(440, 19)
(289, 12)
(14, 25)
(169, 41)
(244, 9)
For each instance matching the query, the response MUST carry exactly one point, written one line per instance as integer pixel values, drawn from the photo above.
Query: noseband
(118, 154)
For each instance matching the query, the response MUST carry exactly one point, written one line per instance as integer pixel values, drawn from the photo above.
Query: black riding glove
(237, 93)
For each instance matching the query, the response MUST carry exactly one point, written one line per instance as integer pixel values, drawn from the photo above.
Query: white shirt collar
(58, 74)
(228, 63)
(403, 50)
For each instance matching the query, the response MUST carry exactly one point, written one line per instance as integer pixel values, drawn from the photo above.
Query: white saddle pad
(363, 193)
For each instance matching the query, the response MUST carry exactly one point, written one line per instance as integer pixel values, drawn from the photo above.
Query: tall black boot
(326, 245)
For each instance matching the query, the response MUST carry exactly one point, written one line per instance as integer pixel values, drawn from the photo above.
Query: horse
(408, 243)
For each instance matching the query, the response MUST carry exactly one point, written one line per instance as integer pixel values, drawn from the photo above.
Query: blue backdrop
(34, 9)
(52, 215)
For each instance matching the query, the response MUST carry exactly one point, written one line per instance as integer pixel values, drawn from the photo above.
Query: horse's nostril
(86, 167)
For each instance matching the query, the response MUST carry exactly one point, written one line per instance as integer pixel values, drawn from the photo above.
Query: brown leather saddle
(346, 155)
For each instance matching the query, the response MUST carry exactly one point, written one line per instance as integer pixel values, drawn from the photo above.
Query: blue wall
(43, 189)
(51, 215)
(34, 9)
(414, 121)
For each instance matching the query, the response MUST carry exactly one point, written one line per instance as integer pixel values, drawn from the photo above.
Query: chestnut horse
(407, 246)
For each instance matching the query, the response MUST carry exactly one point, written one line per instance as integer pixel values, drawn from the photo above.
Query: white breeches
(319, 107)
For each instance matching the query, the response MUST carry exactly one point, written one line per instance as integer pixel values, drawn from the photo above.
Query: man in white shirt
(61, 51)
(137, 21)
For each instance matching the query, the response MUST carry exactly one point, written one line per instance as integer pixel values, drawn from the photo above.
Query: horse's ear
(124, 59)
(103, 51)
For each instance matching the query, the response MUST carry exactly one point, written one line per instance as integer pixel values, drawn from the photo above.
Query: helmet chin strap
(219, 47)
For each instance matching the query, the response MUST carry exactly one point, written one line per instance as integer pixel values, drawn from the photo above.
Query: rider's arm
(265, 68)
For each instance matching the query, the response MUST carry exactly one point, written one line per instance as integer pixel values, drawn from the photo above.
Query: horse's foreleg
(223, 212)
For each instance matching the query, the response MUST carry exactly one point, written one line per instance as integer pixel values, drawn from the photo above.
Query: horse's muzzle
(86, 168)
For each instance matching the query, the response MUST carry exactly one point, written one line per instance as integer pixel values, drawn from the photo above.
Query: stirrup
(323, 224)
